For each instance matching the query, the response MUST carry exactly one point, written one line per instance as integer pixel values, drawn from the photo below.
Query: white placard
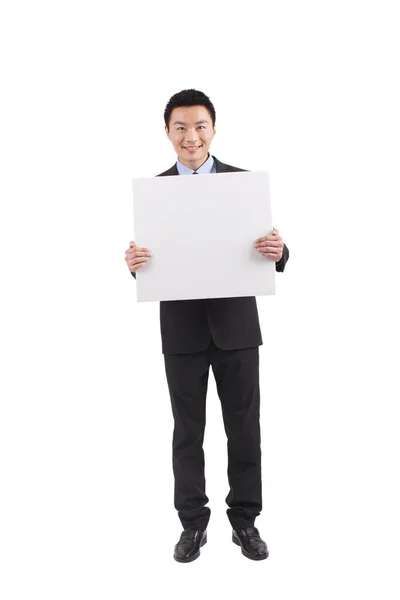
(201, 230)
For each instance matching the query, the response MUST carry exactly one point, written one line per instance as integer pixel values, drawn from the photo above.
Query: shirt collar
(205, 167)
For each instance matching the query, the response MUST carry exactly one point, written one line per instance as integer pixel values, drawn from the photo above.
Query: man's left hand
(270, 246)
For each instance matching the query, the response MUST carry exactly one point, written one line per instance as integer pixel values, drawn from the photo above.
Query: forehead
(190, 114)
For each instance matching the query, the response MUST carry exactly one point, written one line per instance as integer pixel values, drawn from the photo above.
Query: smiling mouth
(192, 148)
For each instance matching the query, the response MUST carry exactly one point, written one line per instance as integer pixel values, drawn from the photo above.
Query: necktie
(195, 173)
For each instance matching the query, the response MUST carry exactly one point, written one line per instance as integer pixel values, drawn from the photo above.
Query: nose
(191, 135)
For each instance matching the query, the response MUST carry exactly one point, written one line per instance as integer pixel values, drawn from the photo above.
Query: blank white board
(201, 231)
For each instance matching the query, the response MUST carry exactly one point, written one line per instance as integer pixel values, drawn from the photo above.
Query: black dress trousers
(236, 374)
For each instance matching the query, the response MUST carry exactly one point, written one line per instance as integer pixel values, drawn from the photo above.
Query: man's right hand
(136, 257)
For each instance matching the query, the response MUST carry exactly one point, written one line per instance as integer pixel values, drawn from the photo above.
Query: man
(221, 332)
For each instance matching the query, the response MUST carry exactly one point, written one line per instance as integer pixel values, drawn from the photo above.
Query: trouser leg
(237, 378)
(187, 377)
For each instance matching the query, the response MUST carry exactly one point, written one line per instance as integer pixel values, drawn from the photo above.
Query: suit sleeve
(280, 265)
(134, 274)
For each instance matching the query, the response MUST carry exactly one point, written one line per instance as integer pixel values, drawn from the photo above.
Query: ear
(166, 131)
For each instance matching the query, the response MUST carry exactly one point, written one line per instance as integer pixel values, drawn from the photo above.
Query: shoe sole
(191, 558)
(246, 554)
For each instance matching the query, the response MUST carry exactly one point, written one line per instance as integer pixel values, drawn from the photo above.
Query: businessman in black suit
(221, 332)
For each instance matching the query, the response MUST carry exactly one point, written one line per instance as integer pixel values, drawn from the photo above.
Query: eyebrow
(183, 122)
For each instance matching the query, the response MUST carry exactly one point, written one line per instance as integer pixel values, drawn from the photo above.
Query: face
(191, 132)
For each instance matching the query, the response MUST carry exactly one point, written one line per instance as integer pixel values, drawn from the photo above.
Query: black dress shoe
(190, 542)
(252, 545)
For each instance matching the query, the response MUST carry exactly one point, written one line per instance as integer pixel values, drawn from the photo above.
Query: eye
(202, 126)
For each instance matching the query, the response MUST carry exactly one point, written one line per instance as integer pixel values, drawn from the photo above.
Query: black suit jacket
(188, 325)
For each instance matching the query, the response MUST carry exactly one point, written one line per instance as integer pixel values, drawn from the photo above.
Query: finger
(272, 241)
(271, 254)
(274, 255)
(267, 238)
(135, 268)
(138, 261)
(135, 252)
(270, 250)
(269, 244)
(143, 256)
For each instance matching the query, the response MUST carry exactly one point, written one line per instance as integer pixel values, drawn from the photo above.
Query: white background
(306, 90)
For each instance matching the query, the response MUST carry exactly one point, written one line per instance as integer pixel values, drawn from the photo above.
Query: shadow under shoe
(190, 542)
(252, 545)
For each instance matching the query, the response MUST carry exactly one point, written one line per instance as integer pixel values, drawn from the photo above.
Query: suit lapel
(172, 171)
(220, 167)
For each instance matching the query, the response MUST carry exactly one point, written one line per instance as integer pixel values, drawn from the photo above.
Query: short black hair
(188, 98)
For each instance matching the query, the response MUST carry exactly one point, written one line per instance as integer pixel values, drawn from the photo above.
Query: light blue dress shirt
(207, 167)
